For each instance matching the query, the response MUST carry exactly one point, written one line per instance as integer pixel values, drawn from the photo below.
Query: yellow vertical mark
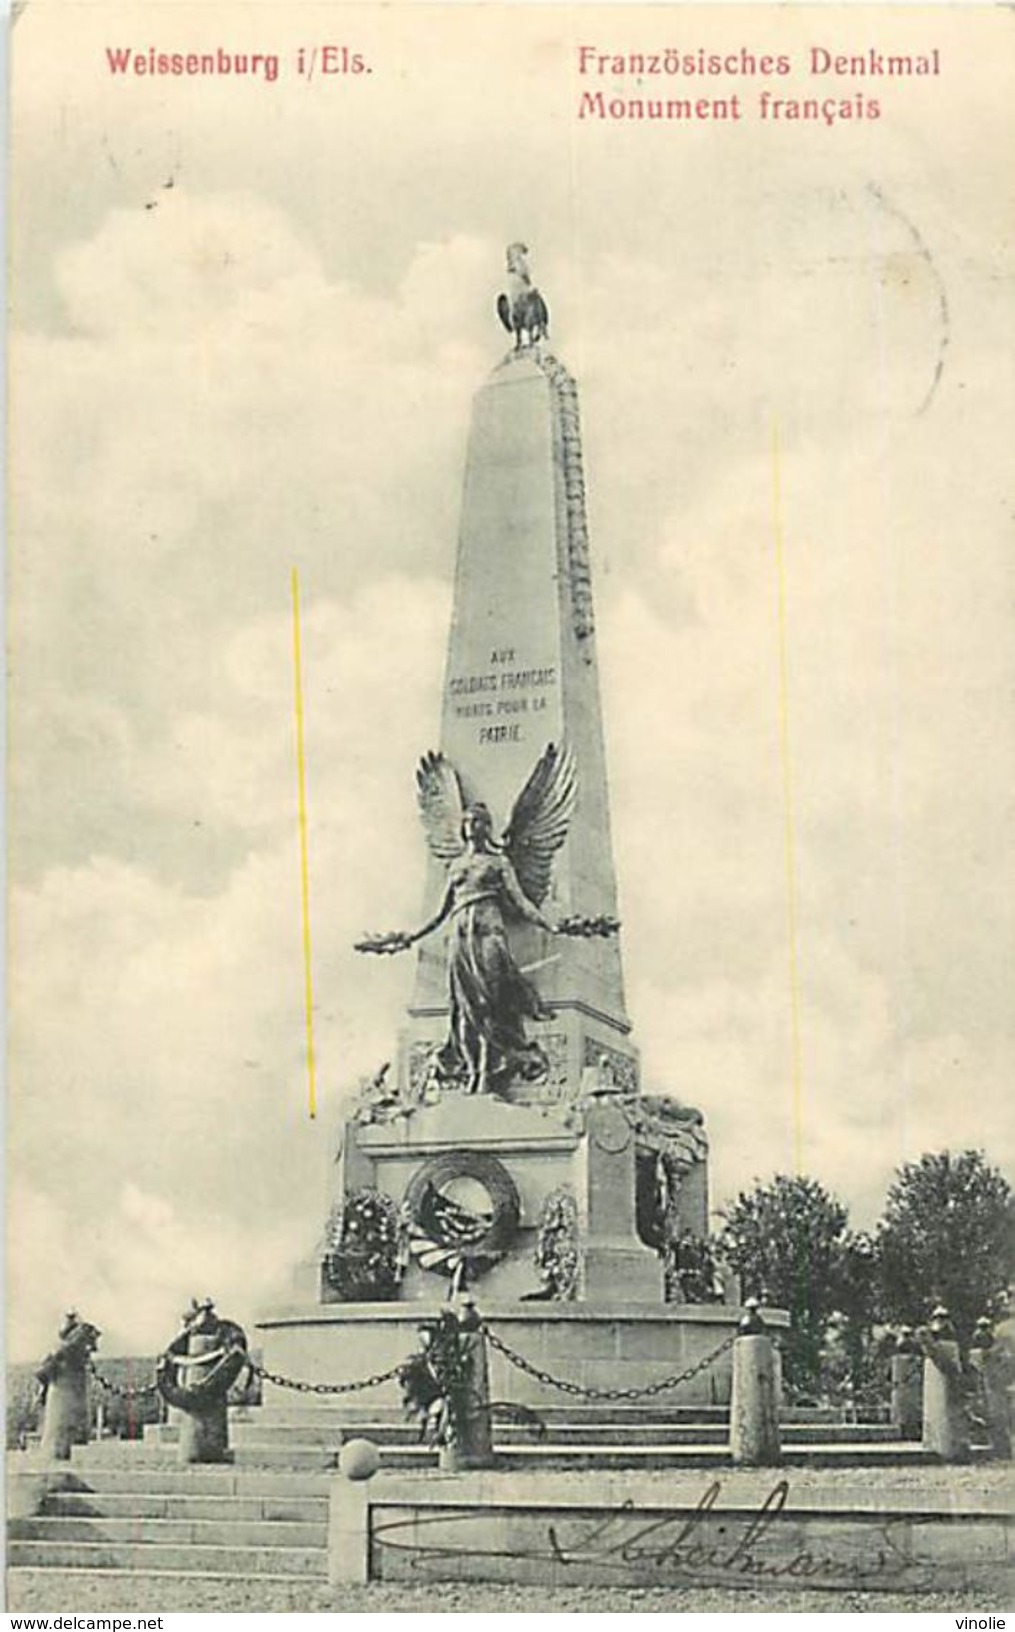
(301, 769)
(787, 799)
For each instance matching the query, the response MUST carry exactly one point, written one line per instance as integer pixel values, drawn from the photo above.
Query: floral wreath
(558, 1255)
(451, 1239)
(364, 1247)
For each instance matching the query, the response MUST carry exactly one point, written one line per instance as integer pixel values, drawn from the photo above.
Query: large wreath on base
(195, 1382)
(449, 1237)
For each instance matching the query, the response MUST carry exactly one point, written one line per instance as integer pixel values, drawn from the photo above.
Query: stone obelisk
(521, 673)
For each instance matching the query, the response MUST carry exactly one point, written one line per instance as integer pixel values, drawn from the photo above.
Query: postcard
(511, 763)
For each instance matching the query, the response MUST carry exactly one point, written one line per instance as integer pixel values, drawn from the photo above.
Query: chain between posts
(360, 1384)
(150, 1389)
(580, 1392)
(328, 1388)
(146, 1391)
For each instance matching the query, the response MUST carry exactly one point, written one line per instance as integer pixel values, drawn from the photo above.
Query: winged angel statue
(491, 884)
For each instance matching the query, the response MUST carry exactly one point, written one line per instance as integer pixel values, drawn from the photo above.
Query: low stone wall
(616, 1531)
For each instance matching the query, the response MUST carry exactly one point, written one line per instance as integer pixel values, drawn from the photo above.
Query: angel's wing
(540, 819)
(441, 806)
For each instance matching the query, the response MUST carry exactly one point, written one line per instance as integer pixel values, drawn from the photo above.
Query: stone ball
(359, 1459)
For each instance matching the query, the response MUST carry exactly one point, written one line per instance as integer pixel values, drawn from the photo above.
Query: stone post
(194, 1376)
(64, 1379)
(65, 1416)
(994, 1373)
(474, 1446)
(204, 1433)
(907, 1387)
(945, 1433)
(754, 1412)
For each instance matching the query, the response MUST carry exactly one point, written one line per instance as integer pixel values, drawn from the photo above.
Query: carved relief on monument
(620, 1070)
(551, 1088)
(664, 1124)
(379, 1099)
(565, 392)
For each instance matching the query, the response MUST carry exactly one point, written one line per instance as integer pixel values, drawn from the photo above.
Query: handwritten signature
(673, 1549)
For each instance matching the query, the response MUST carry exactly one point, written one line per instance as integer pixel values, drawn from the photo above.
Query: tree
(786, 1240)
(947, 1236)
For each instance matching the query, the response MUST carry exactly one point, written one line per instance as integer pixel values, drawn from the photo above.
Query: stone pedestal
(474, 1448)
(994, 1371)
(204, 1434)
(65, 1415)
(945, 1433)
(754, 1411)
(907, 1395)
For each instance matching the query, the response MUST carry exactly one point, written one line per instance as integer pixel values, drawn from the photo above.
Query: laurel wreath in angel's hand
(536, 830)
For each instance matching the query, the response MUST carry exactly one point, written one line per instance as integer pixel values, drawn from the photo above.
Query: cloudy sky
(269, 363)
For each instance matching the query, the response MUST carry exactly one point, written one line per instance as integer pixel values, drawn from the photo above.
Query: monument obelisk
(521, 673)
(511, 1149)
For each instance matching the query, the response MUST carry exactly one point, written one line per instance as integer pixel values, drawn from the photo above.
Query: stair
(131, 1514)
(125, 1521)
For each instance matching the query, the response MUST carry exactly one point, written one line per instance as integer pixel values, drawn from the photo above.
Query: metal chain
(328, 1388)
(267, 1376)
(581, 1392)
(144, 1392)
(511, 1355)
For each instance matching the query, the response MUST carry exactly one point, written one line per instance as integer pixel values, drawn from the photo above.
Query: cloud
(173, 472)
(890, 1025)
(137, 1264)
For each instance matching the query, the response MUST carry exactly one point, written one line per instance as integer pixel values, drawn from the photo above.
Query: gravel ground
(455, 1599)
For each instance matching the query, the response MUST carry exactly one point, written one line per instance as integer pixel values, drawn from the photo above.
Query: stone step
(224, 1531)
(169, 1479)
(634, 1457)
(184, 1504)
(248, 1435)
(145, 1556)
(273, 1436)
(568, 1438)
(814, 1433)
(592, 1451)
(356, 1416)
(162, 1433)
(86, 1459)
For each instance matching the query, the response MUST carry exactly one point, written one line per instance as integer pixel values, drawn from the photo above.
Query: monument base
(485, 1184)
(601, 1345)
